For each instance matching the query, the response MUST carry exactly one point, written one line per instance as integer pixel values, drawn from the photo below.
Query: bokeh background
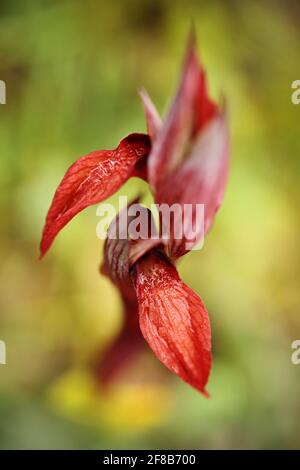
(72, 70)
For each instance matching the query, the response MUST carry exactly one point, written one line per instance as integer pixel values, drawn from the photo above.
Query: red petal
(152, 117)
(201, 179)
(116, 265)
(120, 252)
(124, 348)
(116, 250)
(206, 109)
(90, 180)
(173, 320)
(121, 249)
(190, 111)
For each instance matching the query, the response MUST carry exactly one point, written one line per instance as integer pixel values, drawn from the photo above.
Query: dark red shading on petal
(190, 112)
(201, 179)
(173, 320)
(116, 249)
(123, 247)
(90, 180)
(124, 348)
(153, 119)
(115, 266)
(206, 109)
(120, 252)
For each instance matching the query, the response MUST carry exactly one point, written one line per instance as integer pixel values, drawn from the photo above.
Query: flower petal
(190, 112)
(124, 348)
(120, 252)
(206, 109)
(90, 180)
(115, 266)
(116, 249)
(173, 320)
(152, 117)
(201, 179)
(124, 246)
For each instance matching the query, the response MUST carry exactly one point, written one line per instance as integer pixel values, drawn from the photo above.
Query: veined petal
(90, 180)
(173, 320)
(201, 179)
(190, 111)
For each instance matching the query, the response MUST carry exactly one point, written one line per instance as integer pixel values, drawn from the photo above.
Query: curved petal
(152, 117)
(173, 320)
(124, 245)
(190, 111)
(200, 180)
(116, 249)
(115, 266)
(120, 252)
(90, 180)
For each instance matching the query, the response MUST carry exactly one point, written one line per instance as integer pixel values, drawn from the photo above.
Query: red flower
(185, 160)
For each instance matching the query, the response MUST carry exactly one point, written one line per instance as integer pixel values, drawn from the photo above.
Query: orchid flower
(184, 158)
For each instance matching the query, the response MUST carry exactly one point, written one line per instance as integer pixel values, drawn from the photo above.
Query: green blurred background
(72, 69)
